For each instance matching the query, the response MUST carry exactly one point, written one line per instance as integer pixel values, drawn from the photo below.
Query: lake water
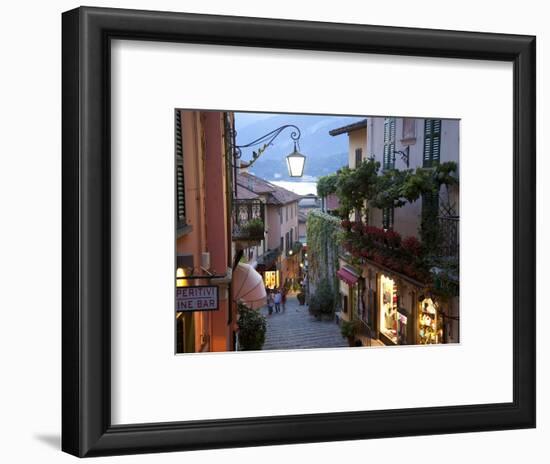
(300, 188)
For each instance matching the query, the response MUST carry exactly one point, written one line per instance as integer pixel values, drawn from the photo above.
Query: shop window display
(389, 316)
(401, 328)
(429, 331)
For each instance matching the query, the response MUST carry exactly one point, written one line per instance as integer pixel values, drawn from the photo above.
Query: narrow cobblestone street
(295, 328)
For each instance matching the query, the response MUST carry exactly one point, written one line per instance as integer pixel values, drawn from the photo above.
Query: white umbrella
(248, 286)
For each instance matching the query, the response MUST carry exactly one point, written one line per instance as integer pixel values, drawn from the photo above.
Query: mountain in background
(324, 154)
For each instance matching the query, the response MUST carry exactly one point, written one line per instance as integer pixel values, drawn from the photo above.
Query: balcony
(248, 221)
(448, 236)
(268, 259)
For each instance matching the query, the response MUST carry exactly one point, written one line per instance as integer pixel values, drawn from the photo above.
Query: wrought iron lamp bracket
(404, 154)
(262, 142)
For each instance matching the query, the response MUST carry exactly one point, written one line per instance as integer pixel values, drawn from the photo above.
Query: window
(286, 212)
(282, 244)
(387, 218)
(291, 237)
(432, 142)
(409, 129)
(358, 156)
(389, 143)
(180, 178)
(287, 241)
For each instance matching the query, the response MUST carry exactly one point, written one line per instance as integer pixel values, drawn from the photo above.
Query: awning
(347, 276)
(248, 286)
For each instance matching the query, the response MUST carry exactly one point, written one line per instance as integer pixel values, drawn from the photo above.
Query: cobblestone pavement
(295, 328)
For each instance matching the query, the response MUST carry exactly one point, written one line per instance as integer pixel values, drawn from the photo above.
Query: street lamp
(295, 161)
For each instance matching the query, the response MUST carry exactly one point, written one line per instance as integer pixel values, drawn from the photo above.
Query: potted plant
(349, 329)
(252, 328)
(322, 302)
(301, 297)
(254, 227)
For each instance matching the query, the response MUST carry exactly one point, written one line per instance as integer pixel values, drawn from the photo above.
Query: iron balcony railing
(269, 257)
(449, 240)
(248, 220)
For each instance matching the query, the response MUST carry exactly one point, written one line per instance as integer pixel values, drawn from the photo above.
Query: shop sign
(198, 298)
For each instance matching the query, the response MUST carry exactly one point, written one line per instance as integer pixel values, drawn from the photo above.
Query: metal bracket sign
(198, 298)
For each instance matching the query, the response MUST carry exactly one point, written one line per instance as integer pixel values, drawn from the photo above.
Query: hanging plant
(324, 237)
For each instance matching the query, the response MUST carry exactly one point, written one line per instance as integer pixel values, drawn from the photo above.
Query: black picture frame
(86, 275)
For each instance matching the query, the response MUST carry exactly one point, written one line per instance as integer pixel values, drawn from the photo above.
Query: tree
(327, 185)
(355, 187)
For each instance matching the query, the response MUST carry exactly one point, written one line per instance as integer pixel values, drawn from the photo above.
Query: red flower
(357, 226)
(412, 245)
(346, 224)
(394, 264)
(393, 239)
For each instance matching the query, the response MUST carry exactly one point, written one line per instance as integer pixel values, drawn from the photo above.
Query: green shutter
(180, 178)
(389, 143)
(388, 218)
(432, 142)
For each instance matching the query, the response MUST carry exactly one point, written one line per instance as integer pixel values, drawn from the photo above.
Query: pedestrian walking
(277, 299)
(269, 303)
(283, 300)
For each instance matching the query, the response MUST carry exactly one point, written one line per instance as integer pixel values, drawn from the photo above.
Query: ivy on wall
(323, 246)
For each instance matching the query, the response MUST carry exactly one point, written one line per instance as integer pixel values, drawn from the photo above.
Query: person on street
(278, 299)
(269, 302)
(283, 300)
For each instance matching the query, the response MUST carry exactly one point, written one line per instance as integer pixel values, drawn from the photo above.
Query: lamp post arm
(265, 141)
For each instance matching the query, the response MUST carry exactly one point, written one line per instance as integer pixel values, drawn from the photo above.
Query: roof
(253, 183)
(245, 194)
(275, 194)
(349, 128)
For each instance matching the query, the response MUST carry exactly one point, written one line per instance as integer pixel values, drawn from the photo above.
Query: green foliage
(327, 185)
(418, 183)
(349, 329)
(389, 189)
(252, 328)
(393, 189)
(444, 174)
(355, 187)
(254, 227)
(322, 250)
(322, 302)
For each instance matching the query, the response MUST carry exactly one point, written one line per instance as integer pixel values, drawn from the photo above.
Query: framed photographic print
(285, 231)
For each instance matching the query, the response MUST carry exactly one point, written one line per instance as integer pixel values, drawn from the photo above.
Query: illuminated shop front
(272, 279)
(429, 324)
(393, 320)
